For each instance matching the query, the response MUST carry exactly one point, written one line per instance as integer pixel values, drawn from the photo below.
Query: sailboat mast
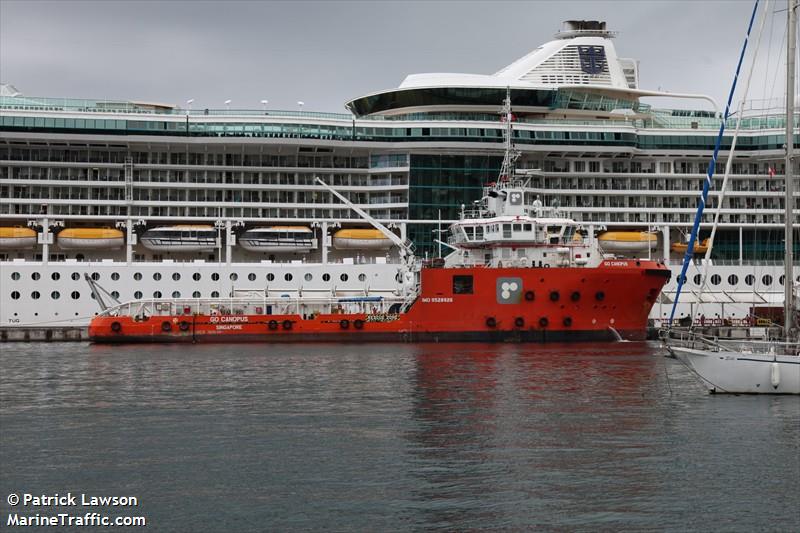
(788, 283)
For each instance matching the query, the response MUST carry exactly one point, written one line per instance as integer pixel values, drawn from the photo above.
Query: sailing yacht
(752, 367)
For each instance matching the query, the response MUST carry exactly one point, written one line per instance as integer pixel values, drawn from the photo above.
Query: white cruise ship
(152, 200)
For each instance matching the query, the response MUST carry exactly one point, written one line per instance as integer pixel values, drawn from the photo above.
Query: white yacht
(412, 157)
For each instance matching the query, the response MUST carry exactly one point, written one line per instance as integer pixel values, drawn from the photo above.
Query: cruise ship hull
(608, 302)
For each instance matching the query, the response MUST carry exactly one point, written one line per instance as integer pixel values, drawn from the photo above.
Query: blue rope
(710, 174)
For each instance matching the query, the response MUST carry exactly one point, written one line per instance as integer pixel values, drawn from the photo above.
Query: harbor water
(349, 437)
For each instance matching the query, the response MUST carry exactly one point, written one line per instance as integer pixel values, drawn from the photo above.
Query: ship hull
(455, 304)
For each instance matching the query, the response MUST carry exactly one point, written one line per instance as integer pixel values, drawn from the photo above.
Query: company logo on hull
(509, 290)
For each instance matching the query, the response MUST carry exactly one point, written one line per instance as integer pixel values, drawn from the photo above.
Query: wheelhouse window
(462, 284)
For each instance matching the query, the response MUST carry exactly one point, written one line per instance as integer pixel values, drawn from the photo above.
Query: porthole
(251, 276)
(35, 295)
(733, 279)
(196, 294)
(196, 276)
(75, 295)
(362, 277)
(782, 279)
(157, 294)
(308, 276)
(176, 294)
(35, 276)
(234, 276)
(137, 276)
(157, 276)
(176, 276)
(287, 277)
(75, 276)
(96, 276)
(749, 279)
(115, 276)
(716, 279)
(15, 276)
(343, 277)
(215, 277)
(214, 294)
(137, 295)
(326, 277)
(55, 276)
(55, 295)
(115, 294)
(766, 279)
(270, 277)
(15, 295)
(697, 279)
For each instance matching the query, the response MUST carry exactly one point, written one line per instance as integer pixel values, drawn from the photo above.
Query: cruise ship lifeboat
(181, 238)
(278, 239)
(17, 238)
(360, 239)
(90, 238)
(627, 241)
(681, 247)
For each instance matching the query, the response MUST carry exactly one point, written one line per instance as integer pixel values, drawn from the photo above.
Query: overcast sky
(325, 53)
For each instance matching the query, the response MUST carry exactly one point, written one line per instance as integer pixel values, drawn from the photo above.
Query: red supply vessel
(518, 271)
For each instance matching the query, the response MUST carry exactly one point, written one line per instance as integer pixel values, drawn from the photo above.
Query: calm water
(397, 437)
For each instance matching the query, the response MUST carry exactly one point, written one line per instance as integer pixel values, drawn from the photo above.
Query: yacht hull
(741, 373)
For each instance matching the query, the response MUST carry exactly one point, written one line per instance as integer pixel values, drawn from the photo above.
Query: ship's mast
(788, 283)
(511, 155)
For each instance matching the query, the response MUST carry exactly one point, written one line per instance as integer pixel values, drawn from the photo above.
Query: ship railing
(761, 342)
(268, 305)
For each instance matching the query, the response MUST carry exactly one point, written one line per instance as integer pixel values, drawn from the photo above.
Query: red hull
(506, 304)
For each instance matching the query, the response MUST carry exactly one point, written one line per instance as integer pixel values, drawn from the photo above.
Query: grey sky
(326, 53)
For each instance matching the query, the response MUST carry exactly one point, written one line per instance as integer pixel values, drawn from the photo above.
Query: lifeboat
(681, 247)
(90, 238)
(180, 238)
(361, 239)
(17, 238)
(278, 239)
(627, 241)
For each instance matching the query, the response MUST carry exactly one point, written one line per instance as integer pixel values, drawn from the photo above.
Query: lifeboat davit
(180, 238)
(681, 247)
(627, 241)
(90, 239)
(278, 239)
(361, 239)
(17, 238)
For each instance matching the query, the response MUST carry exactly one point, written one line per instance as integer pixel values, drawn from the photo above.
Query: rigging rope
(687, 259)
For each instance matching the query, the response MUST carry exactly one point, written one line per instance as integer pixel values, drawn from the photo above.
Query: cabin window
(35, 295)
(157, 276)
(35, 276)
(75, 276)
(308, 277)
(196, 276)
(196, 294)
(478, 233)
(270, 277)
(176, 294)
(462, 284)
(251, 276)
(214, 294)
(137, 276)
(287, 277)
(157, 294)
(215, 276)
(470, 232)
(506, 231)
(55, 276)
(517, 227)
(115, 276)
(234, 276)
(176, 276)
(137, 295)
(527, 227)
(75, 295)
